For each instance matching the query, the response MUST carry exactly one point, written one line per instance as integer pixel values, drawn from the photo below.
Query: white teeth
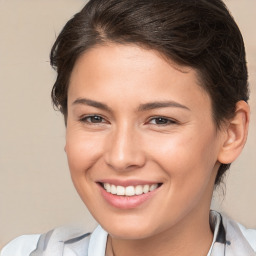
(107, 187)
(120, 191)
(113, 189)
(130, 190)
(153, 187)
(145, 189)
(139, 190)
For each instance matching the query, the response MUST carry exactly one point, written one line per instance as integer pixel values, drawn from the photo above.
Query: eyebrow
(142, 107)
(161, 104)
(92, 103)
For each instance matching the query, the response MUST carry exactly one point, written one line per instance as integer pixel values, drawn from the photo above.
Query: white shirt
(230, 239)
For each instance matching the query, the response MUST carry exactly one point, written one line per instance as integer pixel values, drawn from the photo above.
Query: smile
(129, 190)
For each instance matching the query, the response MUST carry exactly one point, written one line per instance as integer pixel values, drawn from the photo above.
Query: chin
(130, 230)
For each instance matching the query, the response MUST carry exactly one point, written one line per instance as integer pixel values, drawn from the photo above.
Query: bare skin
(135, 118)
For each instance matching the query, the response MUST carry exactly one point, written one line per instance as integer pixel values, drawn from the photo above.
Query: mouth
(129, 190)
(128, 194)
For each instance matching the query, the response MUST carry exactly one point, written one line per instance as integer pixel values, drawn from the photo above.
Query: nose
(124, 150)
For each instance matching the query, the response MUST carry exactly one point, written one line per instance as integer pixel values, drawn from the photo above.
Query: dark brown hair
(197, 33)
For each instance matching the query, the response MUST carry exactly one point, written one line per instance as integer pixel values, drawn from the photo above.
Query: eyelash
(165, 121)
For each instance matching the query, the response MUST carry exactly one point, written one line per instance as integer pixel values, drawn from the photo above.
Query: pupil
(161, 121)
(96, 119)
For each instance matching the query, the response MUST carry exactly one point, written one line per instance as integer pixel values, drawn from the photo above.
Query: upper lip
(126, 183)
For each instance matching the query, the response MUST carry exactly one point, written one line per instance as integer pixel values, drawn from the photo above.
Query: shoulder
(239, 235)
(50, 243)
(64, 241)
(249, 234)
(21, 246)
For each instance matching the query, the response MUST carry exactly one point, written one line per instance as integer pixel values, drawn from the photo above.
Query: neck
(192, 237)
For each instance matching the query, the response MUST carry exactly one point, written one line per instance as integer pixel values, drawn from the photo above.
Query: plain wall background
(36, 193)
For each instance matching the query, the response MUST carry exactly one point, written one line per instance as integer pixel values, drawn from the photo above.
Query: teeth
(113, 189)
(153, 187)
(130, 190)
(139, 190)
(120, 191)
(107, 187)
(145, 189)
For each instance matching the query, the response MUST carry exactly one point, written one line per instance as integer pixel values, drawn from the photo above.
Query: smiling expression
(141, 127)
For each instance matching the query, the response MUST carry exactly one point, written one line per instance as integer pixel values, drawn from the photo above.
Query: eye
(161, 121)
(93, 119)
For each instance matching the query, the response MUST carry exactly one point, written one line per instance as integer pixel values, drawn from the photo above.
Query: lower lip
(126, 202)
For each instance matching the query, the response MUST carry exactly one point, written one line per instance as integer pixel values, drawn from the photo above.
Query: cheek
(188, 163)
(82, 151)
(186, 157)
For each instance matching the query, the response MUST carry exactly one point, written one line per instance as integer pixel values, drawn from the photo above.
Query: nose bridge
(124, 151)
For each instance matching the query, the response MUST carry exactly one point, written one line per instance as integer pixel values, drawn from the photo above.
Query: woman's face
(141, 127)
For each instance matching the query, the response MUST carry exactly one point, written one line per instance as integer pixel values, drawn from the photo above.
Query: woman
(154, 96)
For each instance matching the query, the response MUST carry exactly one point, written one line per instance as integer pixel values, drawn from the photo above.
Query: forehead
(126, 69)
(126, 54)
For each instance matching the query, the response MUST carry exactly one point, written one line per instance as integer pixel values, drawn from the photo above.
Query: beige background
(36, 193)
